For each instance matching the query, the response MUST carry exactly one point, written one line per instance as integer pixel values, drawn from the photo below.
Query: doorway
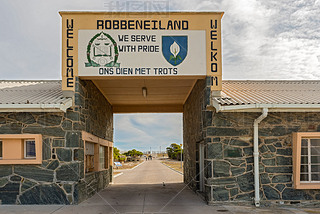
(157, 138)
(137, 96)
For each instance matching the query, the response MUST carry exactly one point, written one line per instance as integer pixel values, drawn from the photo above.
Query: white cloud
(142, 131)
(273, 39)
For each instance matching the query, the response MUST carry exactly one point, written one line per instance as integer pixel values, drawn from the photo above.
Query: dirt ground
(128, 165)
(174, 164)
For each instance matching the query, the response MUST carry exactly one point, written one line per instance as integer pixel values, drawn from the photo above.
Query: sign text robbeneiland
(142, 25)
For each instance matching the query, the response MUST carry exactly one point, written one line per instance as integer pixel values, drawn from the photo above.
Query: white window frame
(309, 162)
(25, 149)
(296, 156)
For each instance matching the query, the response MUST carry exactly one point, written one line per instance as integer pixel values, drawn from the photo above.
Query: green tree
(133, 153)
(174, 151)
(116, 153)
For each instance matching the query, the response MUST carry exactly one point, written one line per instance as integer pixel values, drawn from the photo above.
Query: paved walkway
(131, 194)
(149, 172)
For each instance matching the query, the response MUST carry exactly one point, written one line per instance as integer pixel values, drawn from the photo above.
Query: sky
(142, 131)
(261, 39)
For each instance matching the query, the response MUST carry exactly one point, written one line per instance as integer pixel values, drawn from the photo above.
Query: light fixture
(144, 92)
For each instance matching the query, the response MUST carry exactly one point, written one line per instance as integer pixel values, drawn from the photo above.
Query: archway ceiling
(163, 94)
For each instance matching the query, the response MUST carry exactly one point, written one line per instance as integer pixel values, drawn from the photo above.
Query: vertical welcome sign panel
(102, 44)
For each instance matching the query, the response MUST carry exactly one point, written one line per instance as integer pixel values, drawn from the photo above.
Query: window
(29, 149)
(306, 160)
(110, 155)
(20, 149)
(102, 157)
(89, 157)
(0, 149)
(96, 153)
(310, 160)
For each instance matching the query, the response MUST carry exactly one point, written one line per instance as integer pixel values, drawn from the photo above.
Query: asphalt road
(149, 172)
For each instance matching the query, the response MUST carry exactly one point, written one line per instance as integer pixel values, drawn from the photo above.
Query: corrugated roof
(269, 92)
(24, 92)
(31, 92)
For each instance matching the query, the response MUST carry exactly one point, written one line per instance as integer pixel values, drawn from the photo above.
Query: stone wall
(95, 112)
(60, 179)
(194, 117)
(230, 154)
(96, 117)
(48, 183)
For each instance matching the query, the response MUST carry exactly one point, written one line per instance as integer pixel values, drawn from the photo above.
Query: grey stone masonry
(195, 119)
(39, 184)
(229, 148)
(95, 117)
(60, 179)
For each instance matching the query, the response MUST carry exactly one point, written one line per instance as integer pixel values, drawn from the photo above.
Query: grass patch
(174, 164)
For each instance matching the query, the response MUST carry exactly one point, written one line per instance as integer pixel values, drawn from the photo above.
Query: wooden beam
(86, 136)
(142, 77)
(147, 108)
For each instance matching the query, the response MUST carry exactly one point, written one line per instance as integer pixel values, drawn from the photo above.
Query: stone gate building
(218, 141)
(244, 141)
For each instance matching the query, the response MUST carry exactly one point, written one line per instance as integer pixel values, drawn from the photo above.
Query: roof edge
(62, 107)
(271, 107)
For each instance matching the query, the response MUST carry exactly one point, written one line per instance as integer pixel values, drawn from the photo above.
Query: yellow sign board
(103, 44)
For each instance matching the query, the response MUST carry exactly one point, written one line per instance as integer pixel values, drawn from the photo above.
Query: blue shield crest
(175, 49)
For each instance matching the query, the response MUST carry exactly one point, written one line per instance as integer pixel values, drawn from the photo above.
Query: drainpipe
(256, 155)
